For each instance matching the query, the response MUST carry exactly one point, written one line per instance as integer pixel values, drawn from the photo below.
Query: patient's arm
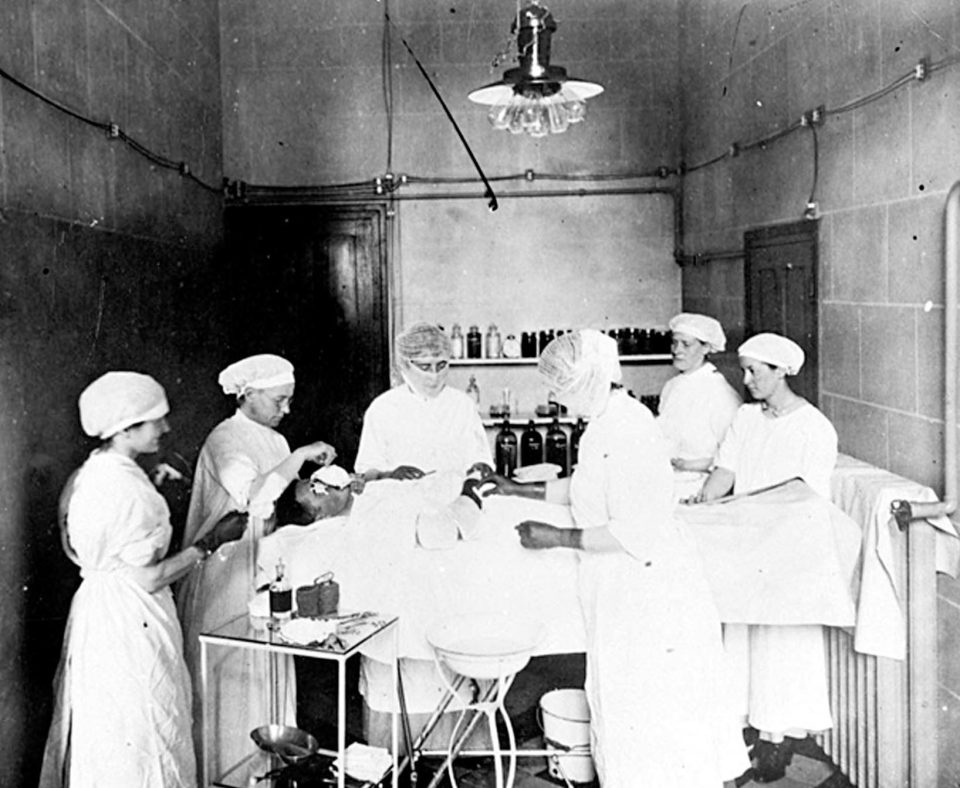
(553, 491)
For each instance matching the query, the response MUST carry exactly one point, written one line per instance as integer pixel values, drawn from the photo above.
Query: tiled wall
(884, 172)
(104, 261)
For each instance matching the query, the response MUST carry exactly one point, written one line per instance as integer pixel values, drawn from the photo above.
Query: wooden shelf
(647, 358)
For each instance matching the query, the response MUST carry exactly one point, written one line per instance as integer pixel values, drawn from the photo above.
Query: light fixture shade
(535, 98)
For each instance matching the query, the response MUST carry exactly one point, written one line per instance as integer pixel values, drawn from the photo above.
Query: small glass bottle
(575, 442)
(473, 391)
(493, 342)
(528, 344)
(474, 342)
(456, 342)
(281, 595)
(511, 347)
(506, 450)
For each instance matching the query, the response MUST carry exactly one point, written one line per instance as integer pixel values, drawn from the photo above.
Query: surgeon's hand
(405, 472)
(535, 535)
(480, 470)
(477, 490)
(228, 528)
(319, 452)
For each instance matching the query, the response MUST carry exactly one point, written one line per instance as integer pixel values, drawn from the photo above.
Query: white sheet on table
(786, 556)
(866, 492)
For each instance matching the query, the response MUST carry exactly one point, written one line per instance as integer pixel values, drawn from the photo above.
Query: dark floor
(316, 680)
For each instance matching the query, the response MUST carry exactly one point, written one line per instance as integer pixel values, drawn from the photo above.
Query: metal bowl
(292, 745)
(486, 646)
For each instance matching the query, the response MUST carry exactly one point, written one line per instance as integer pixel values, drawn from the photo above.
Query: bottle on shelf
(473, 391)
(510, 347)
(531, 445)
(575, 436)
(456, 342)
(474, 343)
(506, 450)
(281, 595)
(528, 344)
(493, 342)
(556, 447)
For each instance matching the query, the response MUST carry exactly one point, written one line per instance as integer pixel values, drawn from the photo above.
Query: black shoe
(771, 760)
(750, 736)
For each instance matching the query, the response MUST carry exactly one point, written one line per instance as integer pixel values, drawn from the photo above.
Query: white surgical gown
(696, 409)
(443, 433)
(122, 706)
(779, 678)
(654, 654)
(233, 474)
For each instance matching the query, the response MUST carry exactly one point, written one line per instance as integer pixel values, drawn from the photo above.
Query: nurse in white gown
(122, 705)
(244, 464)
(422, 425)
(779, 671)
(654, 653)
(696, 405)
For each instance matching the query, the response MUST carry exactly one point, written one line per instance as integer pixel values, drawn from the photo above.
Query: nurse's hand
(405, 472)
(319, 452)
(228, 528)
(535, 535)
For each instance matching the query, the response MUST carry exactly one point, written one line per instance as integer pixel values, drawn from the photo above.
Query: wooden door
(781, 292)
(310, 284)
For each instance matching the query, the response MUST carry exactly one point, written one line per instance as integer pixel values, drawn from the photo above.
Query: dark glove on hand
(229, 528)
(477, 490)
(540, 536)
(404, 472)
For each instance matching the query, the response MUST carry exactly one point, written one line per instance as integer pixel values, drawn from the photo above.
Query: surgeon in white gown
(244, 464)
(422, 425)
(122, 705)
(696, 405)
(780, 680)
(654, 653)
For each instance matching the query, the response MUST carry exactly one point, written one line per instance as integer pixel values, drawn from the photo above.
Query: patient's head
(327, 493)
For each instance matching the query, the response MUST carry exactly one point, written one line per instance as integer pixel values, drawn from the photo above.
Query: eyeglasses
(436, 367)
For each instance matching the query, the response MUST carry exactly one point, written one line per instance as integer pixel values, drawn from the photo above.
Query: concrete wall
(104, 263)
(884, 171)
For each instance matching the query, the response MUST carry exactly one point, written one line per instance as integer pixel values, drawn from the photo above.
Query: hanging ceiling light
(535, 98)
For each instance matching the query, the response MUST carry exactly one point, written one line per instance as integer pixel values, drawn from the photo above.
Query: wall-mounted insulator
(682, 168)
(817, 114)
(403, 179)
(734, 150)
(805, 119)
(663, 172)
(529, 175)
(113, 131)
(921, 71)
(378, 185)
(184, 168)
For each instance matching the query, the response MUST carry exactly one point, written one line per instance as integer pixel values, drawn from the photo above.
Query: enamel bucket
(566, 730)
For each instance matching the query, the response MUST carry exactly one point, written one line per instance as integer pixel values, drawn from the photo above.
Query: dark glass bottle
(575, 442)
(528, 344)
(474, 343)
(531, 445)
(557, 447)
(506, 450)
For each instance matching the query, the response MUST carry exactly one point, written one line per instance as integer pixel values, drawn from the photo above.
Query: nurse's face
(427, 375)
(268, 406)
(144, 438)
(761, 379)
(688, 353)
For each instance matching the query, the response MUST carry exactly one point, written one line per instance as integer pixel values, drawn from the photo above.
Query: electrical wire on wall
(391, 182)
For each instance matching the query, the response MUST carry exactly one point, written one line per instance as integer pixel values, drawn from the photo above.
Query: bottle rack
(647, 358)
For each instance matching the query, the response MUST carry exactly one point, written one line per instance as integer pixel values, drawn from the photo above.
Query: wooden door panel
(781, 292)
(310, 284)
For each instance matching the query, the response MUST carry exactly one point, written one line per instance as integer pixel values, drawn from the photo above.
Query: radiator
(884, 731)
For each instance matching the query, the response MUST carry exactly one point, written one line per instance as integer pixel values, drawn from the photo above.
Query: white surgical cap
(332, 476)
(422, 339)
(581, 365)
(118, 400)
(775, 350)
(256, 372)
(706, 329)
